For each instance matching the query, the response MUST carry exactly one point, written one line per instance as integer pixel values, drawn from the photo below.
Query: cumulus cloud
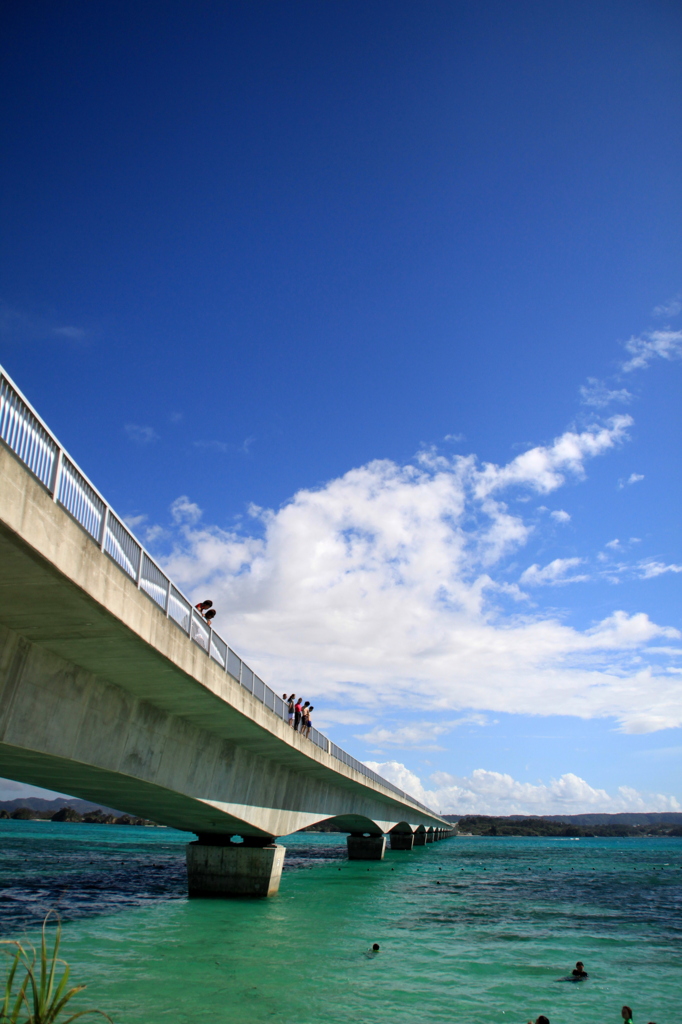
(598, 395)
(380, 586)
(559, 516)
(554, 573)
(544, 468)
(664, 344)
(485, 792)
(185, 511)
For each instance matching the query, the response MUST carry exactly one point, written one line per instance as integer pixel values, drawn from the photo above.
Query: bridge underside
(104, 698)
(64, 729)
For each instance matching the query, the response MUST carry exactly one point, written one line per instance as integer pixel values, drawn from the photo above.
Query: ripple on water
(488, 944)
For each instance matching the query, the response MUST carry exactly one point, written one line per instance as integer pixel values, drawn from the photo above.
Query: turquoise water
(471, 929)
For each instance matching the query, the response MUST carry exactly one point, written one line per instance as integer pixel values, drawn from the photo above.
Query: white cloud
(554, 573)
(649, 569)
(664, 344)
(559, 516)
(135, 522)
(139, 434)
(614, 544)
(380, 587)
(485, 792)
(542, 468)
(185, 511)
(418, 735)
(598, 395)
(634, 478)
(670, 308)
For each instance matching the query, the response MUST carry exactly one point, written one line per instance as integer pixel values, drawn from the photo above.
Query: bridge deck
(63, 596)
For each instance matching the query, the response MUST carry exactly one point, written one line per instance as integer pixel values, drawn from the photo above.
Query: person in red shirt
(297, 714)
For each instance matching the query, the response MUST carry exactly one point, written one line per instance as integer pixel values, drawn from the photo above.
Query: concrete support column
(420, 838)
(234, 870)
(402, 840)
(429, 837)
(366, 847)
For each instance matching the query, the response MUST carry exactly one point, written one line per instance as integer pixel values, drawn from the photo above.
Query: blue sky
(367, 317)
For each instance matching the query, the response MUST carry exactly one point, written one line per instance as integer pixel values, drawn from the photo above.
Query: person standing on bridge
(291, 702)
(308, 723)
(297, 714)
(304, 718)
(203, 607)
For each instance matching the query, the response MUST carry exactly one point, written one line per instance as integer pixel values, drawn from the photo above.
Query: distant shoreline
(551, 828)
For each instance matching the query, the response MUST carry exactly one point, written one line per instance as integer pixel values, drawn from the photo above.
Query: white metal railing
(28, 437)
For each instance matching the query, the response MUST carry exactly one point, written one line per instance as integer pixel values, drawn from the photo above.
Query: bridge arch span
(356, 824)
(402, 827)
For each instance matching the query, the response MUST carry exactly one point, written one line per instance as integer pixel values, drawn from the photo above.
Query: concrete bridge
(115, 690)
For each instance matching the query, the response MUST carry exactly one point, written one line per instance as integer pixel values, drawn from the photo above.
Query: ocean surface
(475, 930)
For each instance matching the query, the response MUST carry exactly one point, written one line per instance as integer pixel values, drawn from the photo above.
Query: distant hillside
(513, 825)
(664, 818)
(37, 803)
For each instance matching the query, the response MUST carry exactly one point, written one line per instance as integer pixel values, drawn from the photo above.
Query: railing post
(56, 475)
(168, 597)
(103, 530)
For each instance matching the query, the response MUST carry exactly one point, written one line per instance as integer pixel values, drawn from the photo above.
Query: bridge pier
(218, 867)
(361, 847)
(420, 839)
(402, 840)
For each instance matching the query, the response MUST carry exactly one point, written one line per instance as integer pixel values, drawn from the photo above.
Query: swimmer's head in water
(626, 1013)
(580, 965)
(542, 1020)
(375, 946)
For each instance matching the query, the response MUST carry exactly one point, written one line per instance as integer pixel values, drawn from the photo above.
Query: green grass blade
(21, 1001)
(57, 1007)
(9, 984)
(54, 958)
(62, 984)
(48, 991)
